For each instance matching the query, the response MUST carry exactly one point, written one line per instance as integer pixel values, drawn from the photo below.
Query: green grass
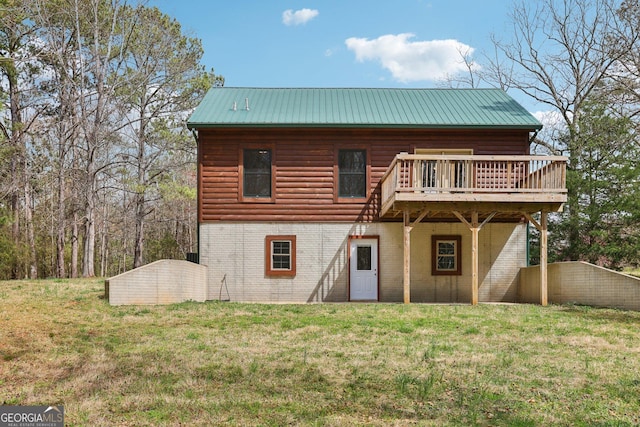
(317, 365)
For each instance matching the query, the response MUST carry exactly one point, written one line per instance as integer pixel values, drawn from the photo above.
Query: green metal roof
(348, 107)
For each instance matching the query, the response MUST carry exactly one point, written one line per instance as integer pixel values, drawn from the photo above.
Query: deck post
(543, 259)
(542, 228)
(475, 229)
(406, 228)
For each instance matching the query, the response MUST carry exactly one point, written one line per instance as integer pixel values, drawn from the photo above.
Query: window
(256, 175)
(364, 258)
(445, 255)
(352, 174)
(281, 255)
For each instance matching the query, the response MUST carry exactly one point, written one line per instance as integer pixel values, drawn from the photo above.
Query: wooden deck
(484, 184)
(473, 189)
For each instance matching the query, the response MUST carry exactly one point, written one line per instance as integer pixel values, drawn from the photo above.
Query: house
(326, 194)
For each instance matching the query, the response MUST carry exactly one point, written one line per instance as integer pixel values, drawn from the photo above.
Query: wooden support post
(543, 259)
(475, 229)
(406, 228)
(542, 228)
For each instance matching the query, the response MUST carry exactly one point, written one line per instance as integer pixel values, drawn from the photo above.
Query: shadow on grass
(601, 313)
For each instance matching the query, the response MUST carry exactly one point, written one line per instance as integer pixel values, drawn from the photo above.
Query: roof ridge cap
(365, 88)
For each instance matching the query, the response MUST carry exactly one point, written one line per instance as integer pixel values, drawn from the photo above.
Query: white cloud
(299, 17)
(553, 127)
(550, 119)
(410, 61)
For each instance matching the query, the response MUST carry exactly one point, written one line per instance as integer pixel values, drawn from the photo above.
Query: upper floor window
(352, 173)
(257, 179)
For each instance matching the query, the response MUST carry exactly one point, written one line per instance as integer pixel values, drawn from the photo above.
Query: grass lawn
(320, 365)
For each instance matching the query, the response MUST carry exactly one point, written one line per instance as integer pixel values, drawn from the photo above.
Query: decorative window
(281, 255)
(352, 174)
(445, 255)
(257, 179)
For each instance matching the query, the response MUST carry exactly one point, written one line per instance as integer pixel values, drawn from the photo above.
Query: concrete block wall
(235, 256)
(529, 284)
(161, 282)
(581, 283)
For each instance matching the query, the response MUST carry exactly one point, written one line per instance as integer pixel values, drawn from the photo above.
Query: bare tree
(624, 91)
(561, 51)
(100, 41)
(470, 78)
(57, 32)
(18, 67)
(92, 135)
(164, 80)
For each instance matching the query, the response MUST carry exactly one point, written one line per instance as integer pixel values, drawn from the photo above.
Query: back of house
(326, 194)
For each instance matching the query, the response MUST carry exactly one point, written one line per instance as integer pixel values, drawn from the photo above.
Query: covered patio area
(473, 190)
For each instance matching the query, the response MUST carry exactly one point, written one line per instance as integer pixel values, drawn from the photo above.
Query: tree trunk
(103, 245)
(16, 155)
(138, 258)
(31, 241)
(61, 222)
(88, 259)
(60, 235)
(20, 171)
(60, 247)
(75, 244)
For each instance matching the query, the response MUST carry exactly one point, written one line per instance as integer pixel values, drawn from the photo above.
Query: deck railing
(434, 174)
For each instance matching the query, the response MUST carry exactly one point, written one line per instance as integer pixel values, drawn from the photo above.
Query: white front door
(363, 274)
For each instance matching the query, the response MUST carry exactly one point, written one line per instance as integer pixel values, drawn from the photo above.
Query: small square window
(445, 256)
(280, 257)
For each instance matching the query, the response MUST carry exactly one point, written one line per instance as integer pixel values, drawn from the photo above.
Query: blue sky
(340, 43)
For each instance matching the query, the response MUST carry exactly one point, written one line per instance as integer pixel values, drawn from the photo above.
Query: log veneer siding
(304, 175)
